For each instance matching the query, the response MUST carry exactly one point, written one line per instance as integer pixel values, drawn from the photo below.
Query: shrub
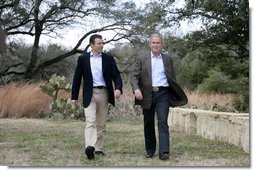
(218, 82)
(61, 108)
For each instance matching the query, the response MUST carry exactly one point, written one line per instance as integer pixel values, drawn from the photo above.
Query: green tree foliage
(222, 44)
(191, 70)
(37, 18)
(219, 82)
(225, 23)
(17, 58)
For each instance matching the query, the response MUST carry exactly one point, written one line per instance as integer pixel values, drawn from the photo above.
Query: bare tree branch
(7, 72)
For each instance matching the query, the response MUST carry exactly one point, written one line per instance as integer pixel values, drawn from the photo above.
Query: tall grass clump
(27, 100)
(211, 101)
(23, 100)
(125, 108)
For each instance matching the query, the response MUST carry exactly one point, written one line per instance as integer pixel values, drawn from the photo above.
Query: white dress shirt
(96, 67)
(159, 77)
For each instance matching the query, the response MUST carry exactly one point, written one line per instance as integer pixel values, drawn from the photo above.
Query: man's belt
(99, 87)
(156, 89)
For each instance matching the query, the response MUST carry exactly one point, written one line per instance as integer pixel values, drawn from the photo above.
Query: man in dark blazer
(98, 71)
(154, 85)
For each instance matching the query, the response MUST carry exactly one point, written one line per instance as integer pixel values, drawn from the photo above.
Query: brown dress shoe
(165, 156)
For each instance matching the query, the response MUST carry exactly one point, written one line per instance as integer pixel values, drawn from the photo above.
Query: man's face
(156, 45)
(98, 45)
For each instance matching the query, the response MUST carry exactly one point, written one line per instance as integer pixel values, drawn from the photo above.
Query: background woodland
(212, 60)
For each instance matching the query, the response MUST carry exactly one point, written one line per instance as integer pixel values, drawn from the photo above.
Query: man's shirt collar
(92, 55)
(157, 57)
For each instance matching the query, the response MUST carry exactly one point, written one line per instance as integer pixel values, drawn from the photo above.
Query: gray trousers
(160, 105)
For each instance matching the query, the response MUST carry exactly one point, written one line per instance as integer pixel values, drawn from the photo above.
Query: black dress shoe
(90, 152)
(149, 156)
(99, 153)
(165, 156)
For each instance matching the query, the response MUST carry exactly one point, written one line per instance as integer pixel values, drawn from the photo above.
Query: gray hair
(155, 35)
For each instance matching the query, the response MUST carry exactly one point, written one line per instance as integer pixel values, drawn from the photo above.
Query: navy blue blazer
(83, 70)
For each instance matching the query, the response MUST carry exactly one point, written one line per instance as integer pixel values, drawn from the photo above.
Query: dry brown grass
(195, 98)
(200, 99)
(27, 100)
(24, 100)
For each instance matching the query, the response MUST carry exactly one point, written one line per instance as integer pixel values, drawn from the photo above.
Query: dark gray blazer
(141, 78)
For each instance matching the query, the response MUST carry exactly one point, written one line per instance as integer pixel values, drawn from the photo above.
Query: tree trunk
(2, 40)
(32, 67)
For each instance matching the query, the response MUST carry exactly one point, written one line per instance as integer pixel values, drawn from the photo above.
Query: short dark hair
(93, 37)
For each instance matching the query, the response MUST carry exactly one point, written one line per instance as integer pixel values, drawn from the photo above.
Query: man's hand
(117, 93)
(74, 103)
(138, 94)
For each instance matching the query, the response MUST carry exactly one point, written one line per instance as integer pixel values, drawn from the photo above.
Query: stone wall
(231, 128)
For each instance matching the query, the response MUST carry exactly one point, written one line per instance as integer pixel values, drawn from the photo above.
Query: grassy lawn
(41, 142)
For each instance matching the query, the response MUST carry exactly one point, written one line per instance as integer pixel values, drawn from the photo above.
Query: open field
(41, 142)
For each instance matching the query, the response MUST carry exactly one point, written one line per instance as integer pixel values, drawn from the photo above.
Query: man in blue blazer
(98, 71)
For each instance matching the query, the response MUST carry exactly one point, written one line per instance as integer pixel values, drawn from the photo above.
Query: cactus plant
(56, 83)
(60, 106)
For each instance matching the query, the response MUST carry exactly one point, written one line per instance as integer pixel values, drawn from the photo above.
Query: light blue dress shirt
(159, 77)
(96, 67)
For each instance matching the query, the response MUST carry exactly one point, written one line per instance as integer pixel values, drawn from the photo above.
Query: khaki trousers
(96, 116)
